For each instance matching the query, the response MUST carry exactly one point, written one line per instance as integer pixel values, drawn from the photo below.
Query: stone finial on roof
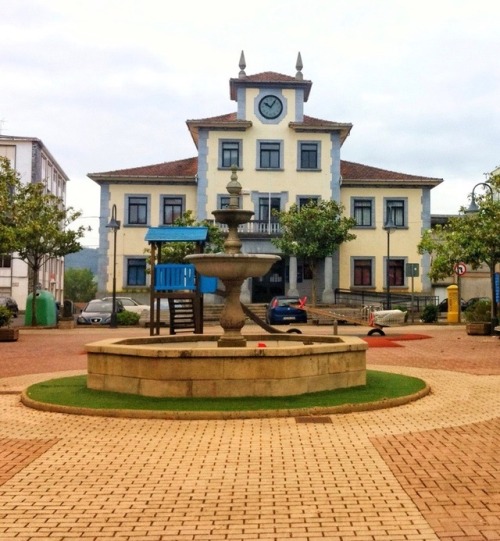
(299, 67)
(242, 65)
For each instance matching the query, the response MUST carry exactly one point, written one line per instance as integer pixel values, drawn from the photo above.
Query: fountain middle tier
(232, 269)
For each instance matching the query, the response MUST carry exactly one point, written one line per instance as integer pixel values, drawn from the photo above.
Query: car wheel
(294, 331)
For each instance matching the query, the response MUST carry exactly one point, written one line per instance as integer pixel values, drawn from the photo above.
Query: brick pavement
(425, 471)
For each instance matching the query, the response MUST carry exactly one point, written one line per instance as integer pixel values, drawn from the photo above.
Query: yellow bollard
(453, 306)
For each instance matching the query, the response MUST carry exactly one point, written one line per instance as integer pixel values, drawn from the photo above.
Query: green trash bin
(45, 306)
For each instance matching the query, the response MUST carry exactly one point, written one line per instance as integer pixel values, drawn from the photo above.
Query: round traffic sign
(460, 268)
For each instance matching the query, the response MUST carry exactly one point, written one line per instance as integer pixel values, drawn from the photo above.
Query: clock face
(270, 107)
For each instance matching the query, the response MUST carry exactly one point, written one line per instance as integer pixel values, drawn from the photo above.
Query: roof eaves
(268, 80)
(400, 182)
(216, 125)
(102, 178)
(323, 127)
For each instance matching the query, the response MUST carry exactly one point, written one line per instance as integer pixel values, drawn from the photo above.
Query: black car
(282, 310)
(11, 304)
(98, 312)
(443, 305)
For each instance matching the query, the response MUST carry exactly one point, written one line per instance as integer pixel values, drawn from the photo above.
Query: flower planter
(8, 335)
(479, 328)
(66, 323)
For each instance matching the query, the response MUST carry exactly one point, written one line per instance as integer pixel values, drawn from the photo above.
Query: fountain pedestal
(232, 318)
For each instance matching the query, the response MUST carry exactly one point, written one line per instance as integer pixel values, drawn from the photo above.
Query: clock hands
(270, 107)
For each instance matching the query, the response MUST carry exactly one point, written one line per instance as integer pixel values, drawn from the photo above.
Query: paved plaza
(425, 471)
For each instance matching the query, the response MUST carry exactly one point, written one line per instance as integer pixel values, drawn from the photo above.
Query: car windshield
(126, 301)
(287, 301)
(99, 306)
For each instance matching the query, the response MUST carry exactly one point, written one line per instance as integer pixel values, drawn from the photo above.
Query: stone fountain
(232, 267)
(230, 365)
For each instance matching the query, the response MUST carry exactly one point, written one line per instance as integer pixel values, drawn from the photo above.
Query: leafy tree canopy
(175, 252)
(9, 184)
(473, 238)
(35, 224)
(313, 232)
(79, 285)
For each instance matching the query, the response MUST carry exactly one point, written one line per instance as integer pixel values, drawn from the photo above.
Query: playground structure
(179, 283)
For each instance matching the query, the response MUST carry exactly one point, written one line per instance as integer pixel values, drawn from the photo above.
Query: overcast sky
(109, 84)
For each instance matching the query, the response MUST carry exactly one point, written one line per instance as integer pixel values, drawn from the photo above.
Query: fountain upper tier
(232, 266)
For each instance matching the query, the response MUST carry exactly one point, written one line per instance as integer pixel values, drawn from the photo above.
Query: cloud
(109, 84)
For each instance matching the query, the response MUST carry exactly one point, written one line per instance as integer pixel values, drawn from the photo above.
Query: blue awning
(176, 234)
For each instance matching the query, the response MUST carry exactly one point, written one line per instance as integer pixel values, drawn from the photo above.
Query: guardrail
(362, 298)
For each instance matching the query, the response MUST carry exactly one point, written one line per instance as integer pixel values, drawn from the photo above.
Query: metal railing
(255, 227)
(363, 298)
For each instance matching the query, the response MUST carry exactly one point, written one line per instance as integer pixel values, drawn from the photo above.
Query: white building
(34, 163)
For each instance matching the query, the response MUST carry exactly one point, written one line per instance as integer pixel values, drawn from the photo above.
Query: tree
(79, 285)
(473, 238)
(35, 225)
(175, 252)
(313, 232)
(9, 183)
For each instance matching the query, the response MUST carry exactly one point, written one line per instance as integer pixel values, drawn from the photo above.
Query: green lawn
(73, 392)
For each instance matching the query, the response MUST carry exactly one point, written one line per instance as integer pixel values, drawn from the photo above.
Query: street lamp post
(114, 224)
(473, 208)
(389, 227)
(473, 205)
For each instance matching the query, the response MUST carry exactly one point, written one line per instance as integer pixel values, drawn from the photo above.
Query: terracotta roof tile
(175, 169)
(229, 117)
(311, 121)
(357, 171)
(187, 168)
(270, 77)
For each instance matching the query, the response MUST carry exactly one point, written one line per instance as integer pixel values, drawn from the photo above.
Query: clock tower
(270, 97)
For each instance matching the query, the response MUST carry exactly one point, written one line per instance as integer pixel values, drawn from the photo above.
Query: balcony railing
(255, 227)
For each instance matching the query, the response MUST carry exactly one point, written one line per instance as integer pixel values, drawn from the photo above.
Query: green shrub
(127, 318)
(5, 316)
(479, 312)
(430, 314)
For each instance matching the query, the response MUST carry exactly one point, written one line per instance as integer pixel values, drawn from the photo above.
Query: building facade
(34, 163)
(283, 156)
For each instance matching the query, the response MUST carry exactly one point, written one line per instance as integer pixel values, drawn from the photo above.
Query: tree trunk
(34, 283)
(312, 266)
(494, 307)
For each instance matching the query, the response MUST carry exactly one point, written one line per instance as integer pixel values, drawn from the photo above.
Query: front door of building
(269, 285)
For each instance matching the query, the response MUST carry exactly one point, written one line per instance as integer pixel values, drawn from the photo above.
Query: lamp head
(389, 224)
(473, 206)
(113, 223)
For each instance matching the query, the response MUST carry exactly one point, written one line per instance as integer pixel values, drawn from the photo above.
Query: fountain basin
(232, 266)
(193, 366)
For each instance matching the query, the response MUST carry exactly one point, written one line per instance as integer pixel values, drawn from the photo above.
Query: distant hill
(84, 259)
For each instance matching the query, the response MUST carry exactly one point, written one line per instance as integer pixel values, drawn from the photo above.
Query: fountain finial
(234, 189)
